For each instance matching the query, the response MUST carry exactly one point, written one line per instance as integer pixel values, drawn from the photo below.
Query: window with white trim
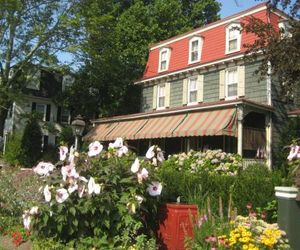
(164, 56)
(41, 109)
(192, 91)
(195, 47)
(231, 83)
(284, 27)
(161, 96)
(233, 38)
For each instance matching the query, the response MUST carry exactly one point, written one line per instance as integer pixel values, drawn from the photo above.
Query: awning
(126, 129)
(208, 123)
(99, 132)
(160, 127)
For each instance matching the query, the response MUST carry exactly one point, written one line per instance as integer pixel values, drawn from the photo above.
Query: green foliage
(13, 150)
(31, 143)
(121, 218)
(18, 191)
(50, 154)
(255, 184)
(66, 136)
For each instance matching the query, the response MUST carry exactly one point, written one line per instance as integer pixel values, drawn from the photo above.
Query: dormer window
(283, 26)
(164, 58)
(233, 38)
(195, 47)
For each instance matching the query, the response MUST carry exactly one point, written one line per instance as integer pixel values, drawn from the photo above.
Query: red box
(176, 222)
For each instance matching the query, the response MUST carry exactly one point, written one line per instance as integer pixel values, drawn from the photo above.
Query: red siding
(213, 47)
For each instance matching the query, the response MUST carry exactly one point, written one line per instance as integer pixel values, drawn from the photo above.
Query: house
(199, 92)
(42, 85)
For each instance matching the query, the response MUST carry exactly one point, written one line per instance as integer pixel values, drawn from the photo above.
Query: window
(284, 28)
(164, 59)
(233, 38)
(231, 83)
(65, 115)
(161, 96)
(41, 109)
(67, 81)
(195, 49)
(192, 91)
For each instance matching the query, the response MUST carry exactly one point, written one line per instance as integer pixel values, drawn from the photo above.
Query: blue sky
(230, 7)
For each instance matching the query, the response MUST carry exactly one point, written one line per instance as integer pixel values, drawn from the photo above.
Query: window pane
(195, 45)
(232, 90)
(193, 96)
(194, 56)
(40, 109)
(232, 76)
(193, 84)
(161, 91)
(163, 65)
(233, 44)
(161, 102)
(164, 56)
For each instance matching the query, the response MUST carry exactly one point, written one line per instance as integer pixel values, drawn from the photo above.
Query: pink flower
(117, 144)
(61, 195)
(63, 151)
(43, 168)
(155, 188)
(252, 214)
(95, 148)
(160, 156)
(249, 205)
(122, 151)
(69, 171)
(47, 194)
(142, 175)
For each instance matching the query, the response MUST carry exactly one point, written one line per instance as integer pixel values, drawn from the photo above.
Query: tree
(31, 143)
(31, 32)
(116, 44)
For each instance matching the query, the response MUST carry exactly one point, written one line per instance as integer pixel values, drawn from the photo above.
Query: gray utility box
(289, 214)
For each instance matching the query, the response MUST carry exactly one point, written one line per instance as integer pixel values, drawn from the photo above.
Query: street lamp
(77, 125)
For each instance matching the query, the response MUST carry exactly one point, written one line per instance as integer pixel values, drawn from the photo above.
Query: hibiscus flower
(47, 194)
(63, 151)
(117, 144)
(26, 220)
(135, 166)
(95, 148)
(150, 153)
(155, 188)
(93, 187)
(61, 195)
(43, 168)
(68, 172)
(142, 175)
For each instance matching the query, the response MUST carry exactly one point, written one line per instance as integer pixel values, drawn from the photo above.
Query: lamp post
(77, 125)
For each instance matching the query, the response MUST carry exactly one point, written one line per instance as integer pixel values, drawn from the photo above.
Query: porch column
(240, 130)
(269, 140)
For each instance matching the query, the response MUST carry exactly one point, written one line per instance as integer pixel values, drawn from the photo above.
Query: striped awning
(100, 132)
(208, 123)
(160, 127)
(126, 129)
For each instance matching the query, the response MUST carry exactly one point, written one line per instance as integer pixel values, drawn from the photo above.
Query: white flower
(95, 148)
(63, 150)
(26, 220)
(160, 156)
(43, 168)
(155, 188)
(34, 210)
(135, 166)
(93, 187)
(47, 194)
(143, 175)
(139, 199)
(150, 153)
(69, 171)
(72, 188)
(117, 144)
(81, 190)
(61, 195)
(72, 155)
(82, 178)
(122, 151)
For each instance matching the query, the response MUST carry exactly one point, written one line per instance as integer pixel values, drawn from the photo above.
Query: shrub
(113, 209)
(66, 136)
(13, 150)
(31, 143)
(50, 154)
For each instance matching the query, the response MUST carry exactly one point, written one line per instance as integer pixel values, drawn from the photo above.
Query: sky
(230, 7)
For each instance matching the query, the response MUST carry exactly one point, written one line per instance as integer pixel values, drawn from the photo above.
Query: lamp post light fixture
(77, 125)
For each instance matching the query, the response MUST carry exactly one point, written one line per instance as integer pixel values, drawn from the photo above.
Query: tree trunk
(3, 114)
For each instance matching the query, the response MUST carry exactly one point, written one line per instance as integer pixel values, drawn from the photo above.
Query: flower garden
(110, 199)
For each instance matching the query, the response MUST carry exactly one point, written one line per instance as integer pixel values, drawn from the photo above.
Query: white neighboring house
(40, 90)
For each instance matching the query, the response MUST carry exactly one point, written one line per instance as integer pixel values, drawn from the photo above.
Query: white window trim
(200, 44)
(228, 28)
(226, 83)
(157, 97)
(168, 50)
(189, 90)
